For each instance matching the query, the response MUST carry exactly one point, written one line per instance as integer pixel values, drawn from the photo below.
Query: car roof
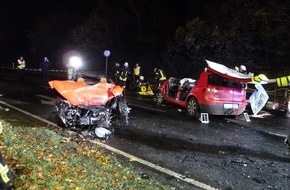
(226, 72)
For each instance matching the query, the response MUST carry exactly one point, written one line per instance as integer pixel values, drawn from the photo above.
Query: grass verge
(44, 158)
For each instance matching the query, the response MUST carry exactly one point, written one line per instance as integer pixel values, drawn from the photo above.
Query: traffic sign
(107, 53)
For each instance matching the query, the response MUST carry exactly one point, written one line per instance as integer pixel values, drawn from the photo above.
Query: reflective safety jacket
(283, 81)
(137, 70)
(124, 74)
(159, 75)
(5, 174)
(21, 64)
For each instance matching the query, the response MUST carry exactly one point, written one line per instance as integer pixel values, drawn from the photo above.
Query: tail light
(212, 93)
(225, 93)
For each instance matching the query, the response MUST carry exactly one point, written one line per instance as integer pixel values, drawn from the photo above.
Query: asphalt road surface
(226, 153)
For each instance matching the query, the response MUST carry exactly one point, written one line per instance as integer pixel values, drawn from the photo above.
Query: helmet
(243, 68)
(126, 64)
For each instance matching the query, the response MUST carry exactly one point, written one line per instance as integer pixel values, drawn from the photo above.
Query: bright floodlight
(75, 62)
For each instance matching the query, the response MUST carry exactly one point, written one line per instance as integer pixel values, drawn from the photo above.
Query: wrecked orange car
(88, 106)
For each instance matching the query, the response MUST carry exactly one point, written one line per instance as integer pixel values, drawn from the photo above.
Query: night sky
(19, 17)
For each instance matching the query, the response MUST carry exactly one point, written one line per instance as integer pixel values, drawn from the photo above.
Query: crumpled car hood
(80, 93)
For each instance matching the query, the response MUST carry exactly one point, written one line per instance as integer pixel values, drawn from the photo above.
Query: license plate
(231, 106)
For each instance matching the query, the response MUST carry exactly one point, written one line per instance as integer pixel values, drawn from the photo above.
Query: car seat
(173, 86)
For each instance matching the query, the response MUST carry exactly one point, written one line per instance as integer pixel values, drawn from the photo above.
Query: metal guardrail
(9, 72)
(30, 75)
(33, 70)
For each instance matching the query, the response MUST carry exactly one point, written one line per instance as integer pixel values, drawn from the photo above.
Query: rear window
(217, 80)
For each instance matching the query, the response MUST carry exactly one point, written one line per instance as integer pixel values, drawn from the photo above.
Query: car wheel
(159, 98)
(192, 107)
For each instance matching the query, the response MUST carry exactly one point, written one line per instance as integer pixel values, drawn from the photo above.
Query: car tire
(159, 98)
(192, 107)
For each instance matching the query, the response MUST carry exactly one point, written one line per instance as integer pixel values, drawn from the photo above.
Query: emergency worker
(140, 81)
(5, 175)
(137, 72)
(237, 68)
(21, 68)
(70, 72)
(21, 63)
(124, 72)
(159, 75)
(243, 69)
(44, 67)
(117, 72)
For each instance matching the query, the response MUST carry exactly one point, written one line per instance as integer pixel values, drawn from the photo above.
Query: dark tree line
(253, 33)
(134, 31)
(177, 36)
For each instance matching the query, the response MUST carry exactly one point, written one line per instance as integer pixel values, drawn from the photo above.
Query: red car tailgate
(225, 94)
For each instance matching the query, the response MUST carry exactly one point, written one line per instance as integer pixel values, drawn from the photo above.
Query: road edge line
(154, 166)
(127, 155)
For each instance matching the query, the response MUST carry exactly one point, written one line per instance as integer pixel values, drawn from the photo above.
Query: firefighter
(285, 82)
(124, 72)
(70, 73)
(137, 72)
(139, 81)
(5, 175)
(21, 63)
(21, 68)
(243, 69)
(117, 72)
(159, 75)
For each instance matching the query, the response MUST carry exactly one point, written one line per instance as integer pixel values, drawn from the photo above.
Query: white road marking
(156, 167)
(30, 114)
(127, 155)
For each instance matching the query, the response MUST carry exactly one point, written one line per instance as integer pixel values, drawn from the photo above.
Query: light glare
(75, 62)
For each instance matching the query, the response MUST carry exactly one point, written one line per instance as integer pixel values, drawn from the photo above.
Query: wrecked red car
(219, 90)
(89, 104)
